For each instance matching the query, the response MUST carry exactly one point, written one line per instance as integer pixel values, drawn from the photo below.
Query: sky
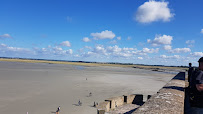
(152, 32)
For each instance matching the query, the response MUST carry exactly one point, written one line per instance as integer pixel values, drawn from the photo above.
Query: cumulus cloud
(159, 40)
(201, 31)
(60, 51)
(147, 50)
(153, 11)
(66, 43)
(170, 57)
(129, 49)
(197, 54)
(57, 51)
(14, 50)
(110, 51)
(100, 50)
(5, 36)
(167, 47)
(103, 35)
(86, 39)
(115, 51)
(180, 50)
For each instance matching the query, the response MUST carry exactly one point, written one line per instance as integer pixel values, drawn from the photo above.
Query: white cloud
(163, 56)
(103, 35)
(198, 54)
(70, 51)
(140, 58)
(167, 47)
(119, 38)
(159, 40)
(5, 36)
(147, 50)
(170, 57)
(129, 49)
(180, 50)
(86, 39)
(66, 43)
(99, 49)
(56, 51)
(201, 31)
(153, 11)
(14, 50)
(114, 49)
(110, 51)
(139, 53)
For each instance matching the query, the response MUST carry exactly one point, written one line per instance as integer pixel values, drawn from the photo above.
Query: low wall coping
(168, 100)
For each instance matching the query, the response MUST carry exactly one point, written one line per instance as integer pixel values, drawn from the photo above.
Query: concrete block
(100, 111)
(116, 101)
(104, 106)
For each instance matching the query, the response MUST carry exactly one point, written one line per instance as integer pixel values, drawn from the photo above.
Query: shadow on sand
(76, 104)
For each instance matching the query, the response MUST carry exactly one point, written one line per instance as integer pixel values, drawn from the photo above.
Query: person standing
(58, 109)
(196, 90)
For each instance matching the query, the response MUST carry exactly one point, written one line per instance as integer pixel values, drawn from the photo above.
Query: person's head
(201, 63)
(190, 64)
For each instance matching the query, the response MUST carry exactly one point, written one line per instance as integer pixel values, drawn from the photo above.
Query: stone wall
(168, 100)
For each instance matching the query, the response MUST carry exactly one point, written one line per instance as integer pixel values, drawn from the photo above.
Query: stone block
(104, 106)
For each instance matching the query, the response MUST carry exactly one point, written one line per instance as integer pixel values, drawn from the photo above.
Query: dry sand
(39, 88)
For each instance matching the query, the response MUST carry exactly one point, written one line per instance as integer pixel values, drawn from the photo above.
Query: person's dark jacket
(196, 97)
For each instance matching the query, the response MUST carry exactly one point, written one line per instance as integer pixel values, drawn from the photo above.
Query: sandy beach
(39, 88)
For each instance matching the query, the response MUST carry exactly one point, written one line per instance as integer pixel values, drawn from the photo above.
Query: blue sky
(166, 32)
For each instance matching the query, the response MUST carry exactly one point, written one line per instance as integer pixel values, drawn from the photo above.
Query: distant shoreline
(158, 68)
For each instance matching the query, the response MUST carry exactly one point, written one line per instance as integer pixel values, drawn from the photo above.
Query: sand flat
(39, 88)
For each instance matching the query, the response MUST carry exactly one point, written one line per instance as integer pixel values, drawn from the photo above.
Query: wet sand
(39, 88)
